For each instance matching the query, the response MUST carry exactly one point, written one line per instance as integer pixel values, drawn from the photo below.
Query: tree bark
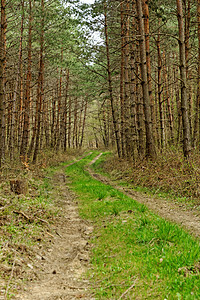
(115, 125)
(40, 89)
(161, 114)
(12, 138)
(74, 135)
(150, 146)
(25, 134)
(182, 66)
(196, 132)
(167, 99)
(122, 81)
(132, 86)
(65, 111)
(2, 71)
(148, 59)
(139, 108)
(83, 125)
(69, 121)
(127, 82)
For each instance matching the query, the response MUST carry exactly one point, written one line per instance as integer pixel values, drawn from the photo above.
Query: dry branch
(132, 286)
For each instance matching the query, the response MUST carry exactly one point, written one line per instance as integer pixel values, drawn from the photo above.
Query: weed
(101, 195)
(115, 210)
(142, 208)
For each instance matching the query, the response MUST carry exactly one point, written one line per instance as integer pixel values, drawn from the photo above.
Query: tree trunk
(162, 124)
(132, 86)
(12, 138)
(53, 118)
(182, 66)
(69, 122)
(83, 126)
(127, 83)
(2, 77)
(25, 134)
(115, 125)
(196, 132)
(59, 111)
(40, 89)
(122, 80)
(146, 29)
(167, 100)
(187, 33)
(150, 146)
(75, 122)
(65, 111)
(139, 108)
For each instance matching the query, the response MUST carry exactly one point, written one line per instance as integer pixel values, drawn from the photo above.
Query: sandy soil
(61, 266)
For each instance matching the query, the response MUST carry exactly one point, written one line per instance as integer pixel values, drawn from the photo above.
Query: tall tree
(2, 70)
(182, 66)
(12, 138)
(110, 88)
(196, 132)
(150, 145)
(27, 99)
(40, 89)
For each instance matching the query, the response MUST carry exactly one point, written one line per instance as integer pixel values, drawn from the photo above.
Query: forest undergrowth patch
(135, 253)
(169, 176)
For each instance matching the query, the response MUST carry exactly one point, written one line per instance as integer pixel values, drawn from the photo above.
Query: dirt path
(59, 268)
(178, 213)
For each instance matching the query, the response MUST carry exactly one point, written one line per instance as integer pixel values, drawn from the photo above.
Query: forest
(125, 72)
(108, 89)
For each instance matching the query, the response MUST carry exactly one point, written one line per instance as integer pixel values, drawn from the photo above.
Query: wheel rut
(178, 213)
(60, 267)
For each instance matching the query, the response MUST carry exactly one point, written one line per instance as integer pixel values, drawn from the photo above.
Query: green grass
(133, 245)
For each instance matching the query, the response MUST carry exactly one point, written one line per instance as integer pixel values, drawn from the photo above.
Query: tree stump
(19, 186)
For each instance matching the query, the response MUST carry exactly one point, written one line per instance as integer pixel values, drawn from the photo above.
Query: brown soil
(60, 267)
(178, 213)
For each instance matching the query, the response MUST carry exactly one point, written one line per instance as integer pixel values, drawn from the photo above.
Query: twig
(76, 288)
(11, 275)
(21, 213)
(44, 221)
(127, 290)
(50, 234)
(58, 234)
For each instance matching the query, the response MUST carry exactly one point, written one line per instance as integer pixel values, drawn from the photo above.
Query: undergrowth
(169, 175)
(134, 251)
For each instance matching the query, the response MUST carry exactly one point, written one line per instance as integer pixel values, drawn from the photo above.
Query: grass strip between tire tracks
(132, 246)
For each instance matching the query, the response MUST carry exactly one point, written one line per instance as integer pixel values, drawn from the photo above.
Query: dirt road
(60, 267)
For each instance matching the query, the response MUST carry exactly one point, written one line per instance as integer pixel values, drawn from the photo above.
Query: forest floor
(58, 269)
